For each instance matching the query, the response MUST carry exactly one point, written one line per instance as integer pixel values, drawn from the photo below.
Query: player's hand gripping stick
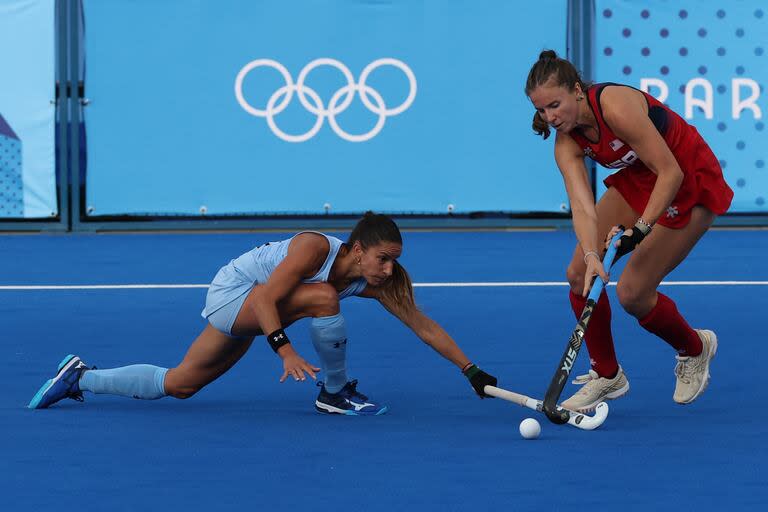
(553, 412)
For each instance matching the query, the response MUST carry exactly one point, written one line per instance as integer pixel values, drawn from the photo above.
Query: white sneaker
(596, 389)
(693, 372)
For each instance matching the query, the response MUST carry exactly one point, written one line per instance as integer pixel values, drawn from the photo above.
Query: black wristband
(277, 339)
(629, 242)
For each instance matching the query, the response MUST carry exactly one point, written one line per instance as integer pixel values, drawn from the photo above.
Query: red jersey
(703, 182)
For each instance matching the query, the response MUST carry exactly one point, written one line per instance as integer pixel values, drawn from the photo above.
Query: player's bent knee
(178, 385)
(633, 298)
(324, 300)
(182, 392)
(575, 276)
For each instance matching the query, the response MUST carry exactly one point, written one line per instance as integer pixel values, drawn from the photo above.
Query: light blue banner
(27, 115)
(228, 107)
(707, 61)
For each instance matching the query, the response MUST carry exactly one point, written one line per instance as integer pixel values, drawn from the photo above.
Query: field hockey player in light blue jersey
(266, 290)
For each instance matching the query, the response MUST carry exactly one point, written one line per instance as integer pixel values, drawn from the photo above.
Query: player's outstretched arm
(570, 161)
(431, 333)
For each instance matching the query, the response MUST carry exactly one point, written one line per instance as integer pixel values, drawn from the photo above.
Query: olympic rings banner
(315, 106)
(706, 60)
(27, 113)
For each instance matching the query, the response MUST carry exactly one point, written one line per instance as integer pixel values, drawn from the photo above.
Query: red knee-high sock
(665, 321)
(598, 336)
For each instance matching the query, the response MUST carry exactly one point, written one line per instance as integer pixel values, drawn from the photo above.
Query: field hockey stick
(578, 420)
(559, 415)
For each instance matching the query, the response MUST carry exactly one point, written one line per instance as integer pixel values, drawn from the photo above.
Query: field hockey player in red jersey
(668, 188)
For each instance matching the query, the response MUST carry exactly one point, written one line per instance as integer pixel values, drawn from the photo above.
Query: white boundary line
(509, 284)
(612, 283)
(103, 287)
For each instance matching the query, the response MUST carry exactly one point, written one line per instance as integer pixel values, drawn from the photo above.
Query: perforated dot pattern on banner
(707, 61)
(11, 191)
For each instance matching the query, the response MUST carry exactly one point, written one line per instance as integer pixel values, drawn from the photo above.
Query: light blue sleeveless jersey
(255, 267)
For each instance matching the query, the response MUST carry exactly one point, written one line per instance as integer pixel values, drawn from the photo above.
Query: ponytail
(540, 126)
(397, 291)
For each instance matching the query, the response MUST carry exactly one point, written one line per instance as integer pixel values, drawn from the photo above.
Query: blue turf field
(249, 443)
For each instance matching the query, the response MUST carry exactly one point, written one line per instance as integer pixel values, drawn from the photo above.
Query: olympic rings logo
(312, 102)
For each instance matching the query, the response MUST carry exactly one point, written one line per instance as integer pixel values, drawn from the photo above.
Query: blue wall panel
(27, 81)
(11, 184)
(172, 131)
(706, 60)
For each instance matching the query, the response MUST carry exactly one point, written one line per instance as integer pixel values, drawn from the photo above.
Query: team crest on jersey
(588, 152)
(616, 144)
(672, 212)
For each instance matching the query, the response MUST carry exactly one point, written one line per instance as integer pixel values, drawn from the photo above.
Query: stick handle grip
(509, 396)
(610, 254)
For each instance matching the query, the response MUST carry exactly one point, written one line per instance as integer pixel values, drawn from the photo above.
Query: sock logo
(338, 344)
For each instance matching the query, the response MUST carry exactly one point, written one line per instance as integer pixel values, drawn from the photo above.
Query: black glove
(629, 242)
(479, 379)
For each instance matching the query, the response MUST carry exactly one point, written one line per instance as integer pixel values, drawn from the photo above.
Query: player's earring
(358, 261)
(579, 97)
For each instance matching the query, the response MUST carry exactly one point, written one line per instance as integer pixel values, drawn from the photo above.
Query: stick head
(585, 422)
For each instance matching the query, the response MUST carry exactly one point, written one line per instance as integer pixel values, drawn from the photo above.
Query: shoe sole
(705, 382)
(610, 396)
(64, 365)
(329, 409)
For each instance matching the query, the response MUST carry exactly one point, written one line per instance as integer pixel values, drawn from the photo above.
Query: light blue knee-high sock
(142, 381)
(329, 336)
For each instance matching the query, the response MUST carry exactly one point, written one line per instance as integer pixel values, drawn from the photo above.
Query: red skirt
(703, 184)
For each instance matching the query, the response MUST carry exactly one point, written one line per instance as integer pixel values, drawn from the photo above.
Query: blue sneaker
(63, 385)
(348, 401)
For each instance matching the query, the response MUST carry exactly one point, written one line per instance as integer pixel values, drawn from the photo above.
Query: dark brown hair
(371, 230)
(561, 71)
